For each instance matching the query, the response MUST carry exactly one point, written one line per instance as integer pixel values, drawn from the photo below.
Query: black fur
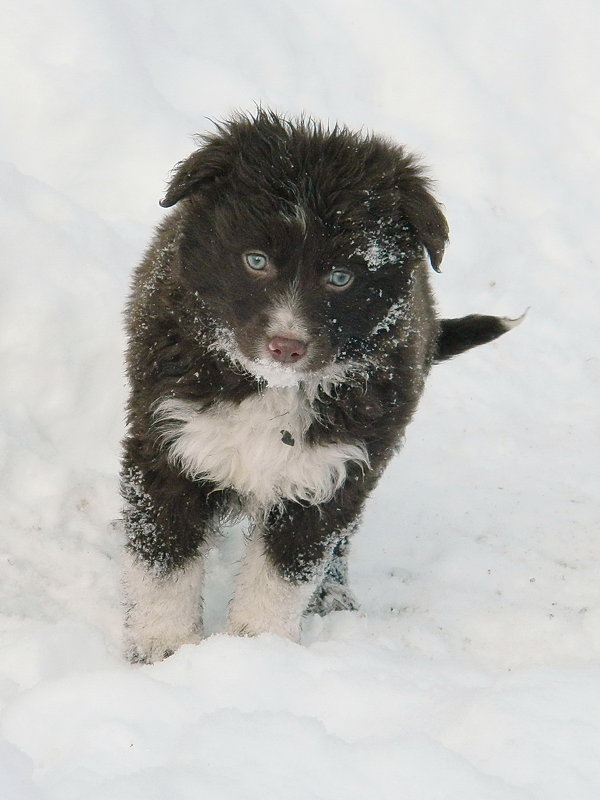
(312, 199)
(458, 335)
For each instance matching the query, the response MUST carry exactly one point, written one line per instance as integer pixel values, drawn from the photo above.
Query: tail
(458, 335)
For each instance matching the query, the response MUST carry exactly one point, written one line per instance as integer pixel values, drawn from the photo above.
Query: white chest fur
(257, 447)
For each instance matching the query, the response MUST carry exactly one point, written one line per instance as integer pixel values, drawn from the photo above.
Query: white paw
(163, 612)
(151, 650)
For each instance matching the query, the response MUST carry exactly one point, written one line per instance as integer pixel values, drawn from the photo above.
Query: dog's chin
(274, 374)
(317, 373)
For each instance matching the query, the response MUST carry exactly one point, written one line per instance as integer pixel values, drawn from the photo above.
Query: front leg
(168, 522)
(286, 559)
(162, 611)
(265, 600)
(333, 593)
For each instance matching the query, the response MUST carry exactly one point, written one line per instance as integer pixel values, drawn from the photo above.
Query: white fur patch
(510, 323)
(257, 447)
(296, 216)
(272, 372)
(286, 319)
(163, 612)
(263, 601)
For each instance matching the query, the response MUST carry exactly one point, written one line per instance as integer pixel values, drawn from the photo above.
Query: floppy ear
(424, 214)
(198, 171)
(420, 208)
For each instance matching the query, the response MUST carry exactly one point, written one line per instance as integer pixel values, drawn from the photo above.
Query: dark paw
(330, 597)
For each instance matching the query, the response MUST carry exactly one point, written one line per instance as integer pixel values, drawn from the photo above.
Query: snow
(382, 247)
(472, 669)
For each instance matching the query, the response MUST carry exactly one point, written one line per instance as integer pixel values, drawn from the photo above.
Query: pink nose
(288, 351)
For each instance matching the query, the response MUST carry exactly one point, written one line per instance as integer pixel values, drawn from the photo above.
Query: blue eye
(256, 261)
(340, 278)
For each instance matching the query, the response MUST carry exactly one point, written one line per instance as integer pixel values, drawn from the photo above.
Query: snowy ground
(472, 671)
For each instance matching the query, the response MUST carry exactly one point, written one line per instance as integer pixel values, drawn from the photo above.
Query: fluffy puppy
(281, 327)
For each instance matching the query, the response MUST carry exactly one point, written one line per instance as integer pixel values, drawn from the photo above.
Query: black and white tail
(462, 333)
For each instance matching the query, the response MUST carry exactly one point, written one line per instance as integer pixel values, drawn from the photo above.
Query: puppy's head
(302, 243)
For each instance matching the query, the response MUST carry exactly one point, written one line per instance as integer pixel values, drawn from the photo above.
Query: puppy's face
(299, 250)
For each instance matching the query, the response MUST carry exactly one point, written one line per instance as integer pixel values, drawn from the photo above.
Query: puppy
(281, 327)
